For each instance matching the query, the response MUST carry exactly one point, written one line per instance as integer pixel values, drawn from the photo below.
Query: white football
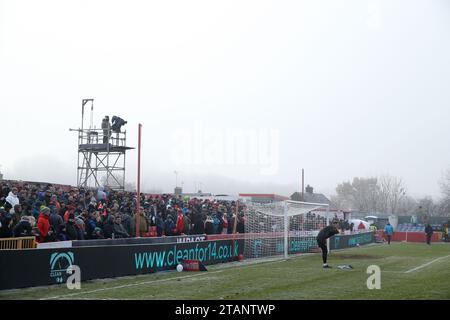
(180, 268)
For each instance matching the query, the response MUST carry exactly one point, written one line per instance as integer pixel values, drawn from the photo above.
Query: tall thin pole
(303, 185)
(92, 115)
(138, 218)
(80, 141)
(82, 116)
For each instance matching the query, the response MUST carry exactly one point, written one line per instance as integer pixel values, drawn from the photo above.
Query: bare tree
(345, 196)
(337, 203)
(444, 204)
(366, 190)
(392, 190)
(407, 205)
(386, 195)
(426, 206)
(359, 195)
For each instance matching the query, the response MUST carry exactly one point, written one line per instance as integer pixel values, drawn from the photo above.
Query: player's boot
(325, 266)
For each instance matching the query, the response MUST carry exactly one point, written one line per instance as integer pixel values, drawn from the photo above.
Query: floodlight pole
(138, 218)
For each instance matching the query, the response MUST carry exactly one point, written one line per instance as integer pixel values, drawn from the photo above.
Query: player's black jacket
(327, 233)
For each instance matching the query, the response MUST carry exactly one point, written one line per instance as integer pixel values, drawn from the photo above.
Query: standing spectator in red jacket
(44, 224)
(54, 201)
(361, 227)
(180, 222)
(70, 210)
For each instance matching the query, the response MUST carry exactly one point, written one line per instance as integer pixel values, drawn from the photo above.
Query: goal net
(283, 228)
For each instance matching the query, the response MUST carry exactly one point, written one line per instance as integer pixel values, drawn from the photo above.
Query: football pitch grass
(409, 271)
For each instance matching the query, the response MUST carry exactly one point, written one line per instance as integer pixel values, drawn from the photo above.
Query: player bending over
(322, 238)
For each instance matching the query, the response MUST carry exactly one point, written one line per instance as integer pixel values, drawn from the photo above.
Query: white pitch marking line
(129, 285)
(155, 281)
(426, 264)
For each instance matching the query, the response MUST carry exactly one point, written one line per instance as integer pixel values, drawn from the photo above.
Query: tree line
(388, 194)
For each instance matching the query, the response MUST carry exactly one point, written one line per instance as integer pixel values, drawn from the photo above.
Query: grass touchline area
(409, 271)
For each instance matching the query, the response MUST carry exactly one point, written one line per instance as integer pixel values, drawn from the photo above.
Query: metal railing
(100, 136)
(18, 243)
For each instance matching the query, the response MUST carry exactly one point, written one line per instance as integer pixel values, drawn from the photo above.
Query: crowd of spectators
(59, 213)
(312, 221)
(346, 226)
(53, 213)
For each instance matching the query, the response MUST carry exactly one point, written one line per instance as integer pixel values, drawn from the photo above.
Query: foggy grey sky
(340, 88)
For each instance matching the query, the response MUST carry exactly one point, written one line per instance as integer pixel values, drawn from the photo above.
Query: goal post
(283, 228)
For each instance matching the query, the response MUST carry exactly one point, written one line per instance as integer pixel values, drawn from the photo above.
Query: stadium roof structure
(197, 194)
(263, 197)
(310, 197)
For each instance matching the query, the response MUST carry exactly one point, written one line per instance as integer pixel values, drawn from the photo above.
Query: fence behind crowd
(18, 243)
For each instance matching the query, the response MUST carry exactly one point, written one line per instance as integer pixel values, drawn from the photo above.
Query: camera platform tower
(101, 154)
